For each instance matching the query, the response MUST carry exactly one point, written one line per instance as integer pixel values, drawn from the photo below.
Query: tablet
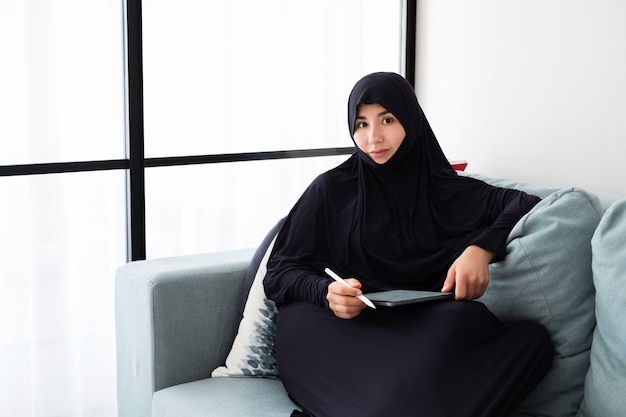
(394, 298)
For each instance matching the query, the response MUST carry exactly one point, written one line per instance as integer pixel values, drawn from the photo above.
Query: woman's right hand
(342, 300)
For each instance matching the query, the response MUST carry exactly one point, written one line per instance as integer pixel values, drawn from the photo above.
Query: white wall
(533, 90)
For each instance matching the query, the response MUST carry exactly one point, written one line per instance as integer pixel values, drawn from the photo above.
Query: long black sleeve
(507, 208)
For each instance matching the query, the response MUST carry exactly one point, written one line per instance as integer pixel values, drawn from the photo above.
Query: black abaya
(400, 224)
(445, 358)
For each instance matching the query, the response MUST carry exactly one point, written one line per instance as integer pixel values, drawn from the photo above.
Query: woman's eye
(387, 120)
(360, 125)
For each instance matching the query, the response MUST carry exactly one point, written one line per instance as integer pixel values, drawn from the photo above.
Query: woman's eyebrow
(382, 113)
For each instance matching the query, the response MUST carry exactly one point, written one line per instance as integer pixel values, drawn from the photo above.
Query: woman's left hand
(469, 273)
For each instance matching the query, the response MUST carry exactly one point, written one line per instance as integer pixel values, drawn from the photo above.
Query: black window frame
(135, 162)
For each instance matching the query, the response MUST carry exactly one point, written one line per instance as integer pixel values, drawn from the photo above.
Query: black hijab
(396, 225)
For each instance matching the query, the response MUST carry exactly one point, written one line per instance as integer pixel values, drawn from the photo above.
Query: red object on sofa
(458, 165)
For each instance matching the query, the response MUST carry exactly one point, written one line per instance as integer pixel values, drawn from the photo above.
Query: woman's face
(377, 132)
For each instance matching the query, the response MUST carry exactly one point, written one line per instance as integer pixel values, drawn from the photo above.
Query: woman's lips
(378, 153)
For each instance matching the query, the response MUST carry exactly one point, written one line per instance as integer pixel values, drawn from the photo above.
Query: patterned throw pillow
(252, 353)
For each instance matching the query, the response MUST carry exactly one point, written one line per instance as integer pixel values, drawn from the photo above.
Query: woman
(396, 215)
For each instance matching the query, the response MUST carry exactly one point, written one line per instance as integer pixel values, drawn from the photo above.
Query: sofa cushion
(546, 277)
(538, 190)
(224, 397)
(605, 384)
(255, 262)
(252, 353)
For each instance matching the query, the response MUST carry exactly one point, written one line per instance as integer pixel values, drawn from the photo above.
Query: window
(247, 76)
(63, 234)
(209, 134)
(62, 239)
(250, 76)
(61, 81)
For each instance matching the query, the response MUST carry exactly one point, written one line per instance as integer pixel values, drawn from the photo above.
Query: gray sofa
(176, 318)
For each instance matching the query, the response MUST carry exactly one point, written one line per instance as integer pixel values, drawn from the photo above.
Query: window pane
(206, 208)
(63, 236)
(61, 81)
(228, 77)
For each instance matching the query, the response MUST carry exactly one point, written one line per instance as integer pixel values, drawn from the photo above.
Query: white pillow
(252, 353)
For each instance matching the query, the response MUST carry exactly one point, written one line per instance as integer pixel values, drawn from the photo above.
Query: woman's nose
(375, 136)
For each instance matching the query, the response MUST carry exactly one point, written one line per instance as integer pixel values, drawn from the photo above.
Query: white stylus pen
(342, 281)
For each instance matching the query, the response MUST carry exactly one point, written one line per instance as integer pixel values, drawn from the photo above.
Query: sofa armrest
(176, 319)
